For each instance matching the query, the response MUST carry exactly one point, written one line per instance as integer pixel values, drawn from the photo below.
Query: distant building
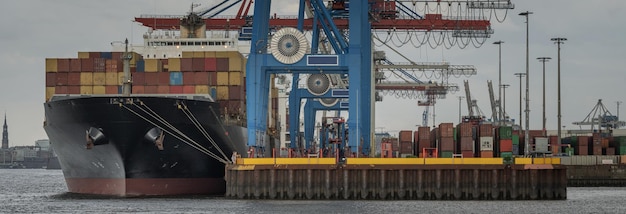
(5, 134)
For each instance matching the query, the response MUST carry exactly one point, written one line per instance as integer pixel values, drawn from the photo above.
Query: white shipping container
(541, 144)
(486, 143)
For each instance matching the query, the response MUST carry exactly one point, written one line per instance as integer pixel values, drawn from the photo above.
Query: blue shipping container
(176, 78)
(119, 89)
(106, 55)
(140, 66)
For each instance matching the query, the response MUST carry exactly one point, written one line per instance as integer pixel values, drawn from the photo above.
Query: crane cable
(202, 130)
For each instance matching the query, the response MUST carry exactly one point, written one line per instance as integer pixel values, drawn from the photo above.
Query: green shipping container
(515, 139)
(446, 154)
(569, 151)
(507, 157)
(505, 132)
(621, 150)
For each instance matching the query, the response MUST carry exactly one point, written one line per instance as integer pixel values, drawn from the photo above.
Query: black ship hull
(150, 145)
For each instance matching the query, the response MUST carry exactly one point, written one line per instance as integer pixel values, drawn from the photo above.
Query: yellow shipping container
(153, 65)
(198, 54)
(99, 89)
(51, 65)
(99, 78)
(234, 78)
(111, 78)
(222, 78)
(209, 54)
(120, 78)
(86, 78)
(83, 55)
(49, 92)
(222, 92)
(235, 64)
(86, 89)
(174, 64)
(222, 54)
(235, 55)
(187, 54)
(202, 89)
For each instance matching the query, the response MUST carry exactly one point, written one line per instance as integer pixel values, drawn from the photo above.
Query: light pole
(504, 86)
(544, 60)
(526, 140)
(461, 98)
(559, 41)
(520, 75)
(618, 102)
(499, 43)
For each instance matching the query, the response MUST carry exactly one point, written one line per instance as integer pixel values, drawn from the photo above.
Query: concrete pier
(393, 179)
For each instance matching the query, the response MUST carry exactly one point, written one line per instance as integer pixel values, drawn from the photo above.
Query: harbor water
(44, 191)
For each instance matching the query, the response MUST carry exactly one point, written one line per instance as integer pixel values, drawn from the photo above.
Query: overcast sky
(592, 65)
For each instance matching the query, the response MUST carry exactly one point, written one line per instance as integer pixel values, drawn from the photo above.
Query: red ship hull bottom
(147, 186)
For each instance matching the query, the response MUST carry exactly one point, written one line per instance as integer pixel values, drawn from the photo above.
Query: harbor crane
(599, 118)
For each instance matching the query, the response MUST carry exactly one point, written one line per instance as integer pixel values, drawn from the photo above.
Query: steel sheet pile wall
(395, 182)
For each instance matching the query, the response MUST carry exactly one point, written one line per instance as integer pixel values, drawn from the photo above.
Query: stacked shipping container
(485, 140)
(446, 139)
(465, 139)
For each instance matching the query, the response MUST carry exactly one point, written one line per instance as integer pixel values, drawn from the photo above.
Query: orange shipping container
(189, 89)
(99, 78)
(99, 89)
(153, 65)
(111, 78)
(73, 89)
(405, 136)
(86, 78)
(235, 78)
(164, 78)
(506, 145)
(138, 89)
(51, 65)
(486, 154)
(176, 89)
(163, 89)
(86, 89)
(111, 89)
(151, 89)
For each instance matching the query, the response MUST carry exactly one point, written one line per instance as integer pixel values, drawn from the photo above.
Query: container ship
(162, 118)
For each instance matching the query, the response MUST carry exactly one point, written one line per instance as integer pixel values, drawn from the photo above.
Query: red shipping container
(506, 145)
(151, 89)
(424, 133)
(446, 130)
(139, 78)
(189, 89)
(467, 154)
(406, 148)
(536, 133)
(415, 137)
(198, 64)
(73, 89)
(60, 89)
(163, 89)
(116, 55)
(186, 64)
(63, 65)
(94, 55)
(464, 130)
(235, 93)
(176, 89)
(201, 78)
(73, 79)
(111, 89)
(75, 65)
(61, 79)
(405, 136)
(164, 78)
(424, 144)
(221, 64)
(189, 78)
(583, 141)
(486, 130)
(486, 154)
(213, 79)
(99, 65)
(609, 151)
(596, 151)
(152, 78)
(138, 89)
(581, 150)
(86, 65)
(553, 140)
(234, 106)
(466, 143)
(51, 79)
(210, 64)
(446, 144)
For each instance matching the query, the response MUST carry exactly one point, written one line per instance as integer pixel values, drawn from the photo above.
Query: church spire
(5, 133)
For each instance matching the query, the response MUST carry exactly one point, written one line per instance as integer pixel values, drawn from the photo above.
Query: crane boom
(468, 97)
(494, 112)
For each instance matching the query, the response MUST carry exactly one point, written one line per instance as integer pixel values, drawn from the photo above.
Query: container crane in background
(599, 118)
(388, 20)
(475, 115)
(494, 104)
